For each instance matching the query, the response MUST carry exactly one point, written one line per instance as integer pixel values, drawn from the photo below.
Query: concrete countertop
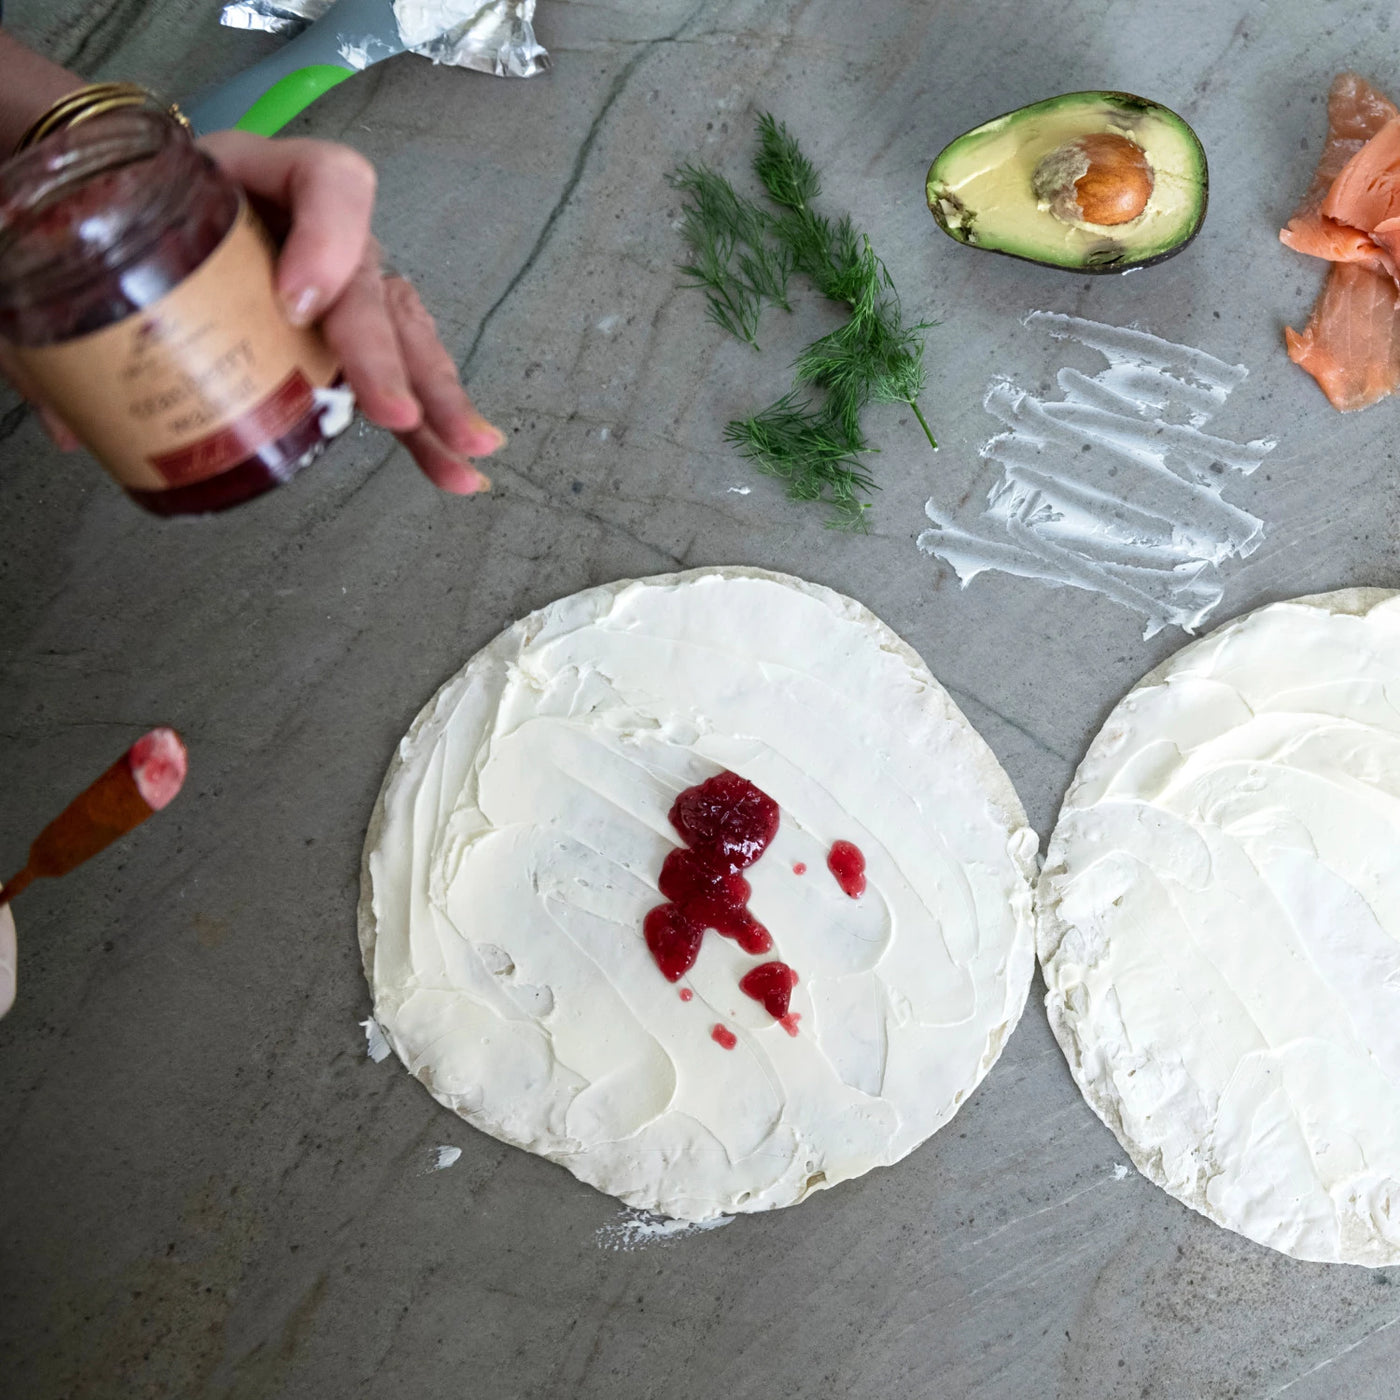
(206, 1189)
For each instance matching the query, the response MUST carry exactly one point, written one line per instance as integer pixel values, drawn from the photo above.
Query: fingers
(59, 431)
(328, 190)
(9, 959)
(361, 332)
(447, 470)
(446, 408)
(405, 380)
(61, 434)
(328, 270)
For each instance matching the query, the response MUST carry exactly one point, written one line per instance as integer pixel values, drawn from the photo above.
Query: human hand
(321, 195)
(8, 959)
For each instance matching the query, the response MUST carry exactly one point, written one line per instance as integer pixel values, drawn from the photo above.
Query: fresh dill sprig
(788, 176)
(732, 256)
(873, 357)
(810, 451)
(743, 257)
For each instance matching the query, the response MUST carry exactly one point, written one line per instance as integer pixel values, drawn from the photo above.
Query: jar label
(195, 383)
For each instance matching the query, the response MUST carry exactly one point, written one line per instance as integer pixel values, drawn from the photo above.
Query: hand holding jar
(329, 270)
(141, 311)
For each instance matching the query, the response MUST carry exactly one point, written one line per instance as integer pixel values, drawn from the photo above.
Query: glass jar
(137, 299)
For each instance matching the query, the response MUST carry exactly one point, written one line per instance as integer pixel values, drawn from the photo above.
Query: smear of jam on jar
(847, 864)
(724, 1037)
(727, 823)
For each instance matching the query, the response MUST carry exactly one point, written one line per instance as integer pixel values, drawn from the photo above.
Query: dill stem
(923, 423)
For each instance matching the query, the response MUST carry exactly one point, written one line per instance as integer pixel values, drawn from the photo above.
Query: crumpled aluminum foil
(498, 37)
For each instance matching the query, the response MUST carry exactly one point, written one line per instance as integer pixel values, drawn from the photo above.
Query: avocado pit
(1100, 178)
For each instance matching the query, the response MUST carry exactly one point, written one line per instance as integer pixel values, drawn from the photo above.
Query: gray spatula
(349, 37)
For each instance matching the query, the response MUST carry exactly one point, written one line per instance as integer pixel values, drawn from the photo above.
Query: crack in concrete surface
(615, 91)
(1328, 1361)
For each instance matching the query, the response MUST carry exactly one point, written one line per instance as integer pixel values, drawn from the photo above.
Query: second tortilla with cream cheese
(1219, 926)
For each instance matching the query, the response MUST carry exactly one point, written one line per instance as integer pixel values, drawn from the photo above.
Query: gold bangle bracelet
(92, 101)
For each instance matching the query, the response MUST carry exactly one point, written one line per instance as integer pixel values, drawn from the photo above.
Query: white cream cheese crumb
(634, 1229)
(337, 407)
(376, 1046)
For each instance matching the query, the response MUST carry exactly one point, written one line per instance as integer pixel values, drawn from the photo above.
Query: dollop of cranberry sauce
(847, 864)
(726, 821)
(772, 984)
(713, 899)
(674, 940)
(727, 824)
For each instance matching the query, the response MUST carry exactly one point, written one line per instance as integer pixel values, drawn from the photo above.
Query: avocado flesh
(980, 191)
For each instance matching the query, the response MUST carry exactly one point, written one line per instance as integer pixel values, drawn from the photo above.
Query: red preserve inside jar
(137, 297)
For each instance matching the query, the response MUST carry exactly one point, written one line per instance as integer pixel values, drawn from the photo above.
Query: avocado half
(982, 188)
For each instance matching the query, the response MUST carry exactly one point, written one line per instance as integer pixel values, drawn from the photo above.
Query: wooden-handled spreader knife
(143, 780)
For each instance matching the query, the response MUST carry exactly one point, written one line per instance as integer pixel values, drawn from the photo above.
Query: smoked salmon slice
(1367, 191)
(1350, 216)
(1355, 113)
(1352, 342)
(1387, 237)
(1321, 237)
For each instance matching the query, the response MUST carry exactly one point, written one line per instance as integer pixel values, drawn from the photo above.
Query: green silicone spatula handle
(265, 97)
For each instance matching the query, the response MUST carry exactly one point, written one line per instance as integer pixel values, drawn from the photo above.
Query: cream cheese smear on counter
(1115, 486)
(514, 855)
(1219, 926)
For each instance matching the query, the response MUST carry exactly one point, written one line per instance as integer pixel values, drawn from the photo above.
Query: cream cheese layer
(516, 849)
(1219, 926)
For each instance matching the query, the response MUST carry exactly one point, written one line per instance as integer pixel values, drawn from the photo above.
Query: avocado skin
(1125, 101)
